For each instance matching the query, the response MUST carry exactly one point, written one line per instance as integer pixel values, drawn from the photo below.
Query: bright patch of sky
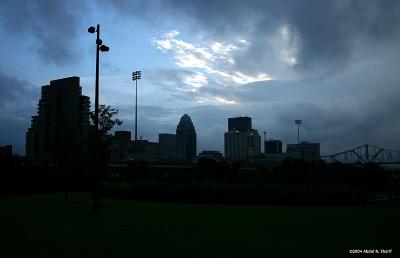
(215, 60)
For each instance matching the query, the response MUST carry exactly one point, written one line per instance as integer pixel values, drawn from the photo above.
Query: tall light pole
(298, 123)
(102, 48)
(137, 75)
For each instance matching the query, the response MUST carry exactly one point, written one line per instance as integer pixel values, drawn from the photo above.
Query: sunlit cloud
(196, 80)
(286, 48)
(221, 48)
(239, 78)
(225, 101)
(216, 61)
(218, 100)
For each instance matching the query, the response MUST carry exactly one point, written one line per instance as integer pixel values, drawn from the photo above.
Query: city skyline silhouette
(199, 128)
(339, 77)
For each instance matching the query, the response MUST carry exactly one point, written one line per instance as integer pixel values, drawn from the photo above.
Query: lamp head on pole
(136, 75)
(92, 29)
(104, 48)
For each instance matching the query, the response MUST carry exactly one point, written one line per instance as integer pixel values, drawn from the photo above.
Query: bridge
(365, 154)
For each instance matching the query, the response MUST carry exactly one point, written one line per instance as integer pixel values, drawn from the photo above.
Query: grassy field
(43, 226)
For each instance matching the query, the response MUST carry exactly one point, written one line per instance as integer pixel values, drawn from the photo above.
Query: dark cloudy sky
(333, 64)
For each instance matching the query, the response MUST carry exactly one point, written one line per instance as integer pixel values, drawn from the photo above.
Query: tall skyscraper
(241, 124)
(62, 121)
(167, 143)
(186, 148)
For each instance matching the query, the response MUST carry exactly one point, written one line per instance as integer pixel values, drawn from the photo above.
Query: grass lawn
(43, 226)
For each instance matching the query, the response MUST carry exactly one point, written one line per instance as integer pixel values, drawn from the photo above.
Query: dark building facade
(167, 142)
(305, 151)
(235, 145)
(122, 136)
(186, 147)
(241, 124)
(272, 146)
(122, 149)
(62, 122)
(6, 152)
(209, 154)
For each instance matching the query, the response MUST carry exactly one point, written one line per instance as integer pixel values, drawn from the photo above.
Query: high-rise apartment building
(186, 148)
(62, 121)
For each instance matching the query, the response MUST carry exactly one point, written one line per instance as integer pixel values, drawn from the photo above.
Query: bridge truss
(364, 154)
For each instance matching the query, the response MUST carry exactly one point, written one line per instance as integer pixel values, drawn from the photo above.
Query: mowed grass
(43, 226)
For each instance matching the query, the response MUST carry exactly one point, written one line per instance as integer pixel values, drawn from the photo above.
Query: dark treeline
(293, 182)
(19, 176)
(209, 181)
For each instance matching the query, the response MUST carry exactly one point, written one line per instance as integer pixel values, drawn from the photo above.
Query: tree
(106, 120)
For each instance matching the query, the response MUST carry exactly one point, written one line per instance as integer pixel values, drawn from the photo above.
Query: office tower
(241, 142)
(272, 146)
(305, 151)
(167, 142)
(253, 144)
(241, 124)
(235, 144)
(185, 139)
(62, 123)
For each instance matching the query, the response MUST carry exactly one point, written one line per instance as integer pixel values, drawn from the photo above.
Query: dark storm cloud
(51, 26)
(326, 32)
(15, 92)
(17, 104)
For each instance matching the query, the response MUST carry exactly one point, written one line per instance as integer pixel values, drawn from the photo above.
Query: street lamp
(135, 77)
(102, 48)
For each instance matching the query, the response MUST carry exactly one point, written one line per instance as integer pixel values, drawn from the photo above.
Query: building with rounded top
(186, 148)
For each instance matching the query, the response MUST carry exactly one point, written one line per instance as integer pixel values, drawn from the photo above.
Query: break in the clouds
(215, 59)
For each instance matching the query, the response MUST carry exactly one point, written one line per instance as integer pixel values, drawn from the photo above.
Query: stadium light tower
(298, 123)
(102, 48)
(137, 75)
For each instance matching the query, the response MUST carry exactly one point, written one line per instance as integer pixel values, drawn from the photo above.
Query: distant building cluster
(124, 149)
(171, 147)
(63, 120)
